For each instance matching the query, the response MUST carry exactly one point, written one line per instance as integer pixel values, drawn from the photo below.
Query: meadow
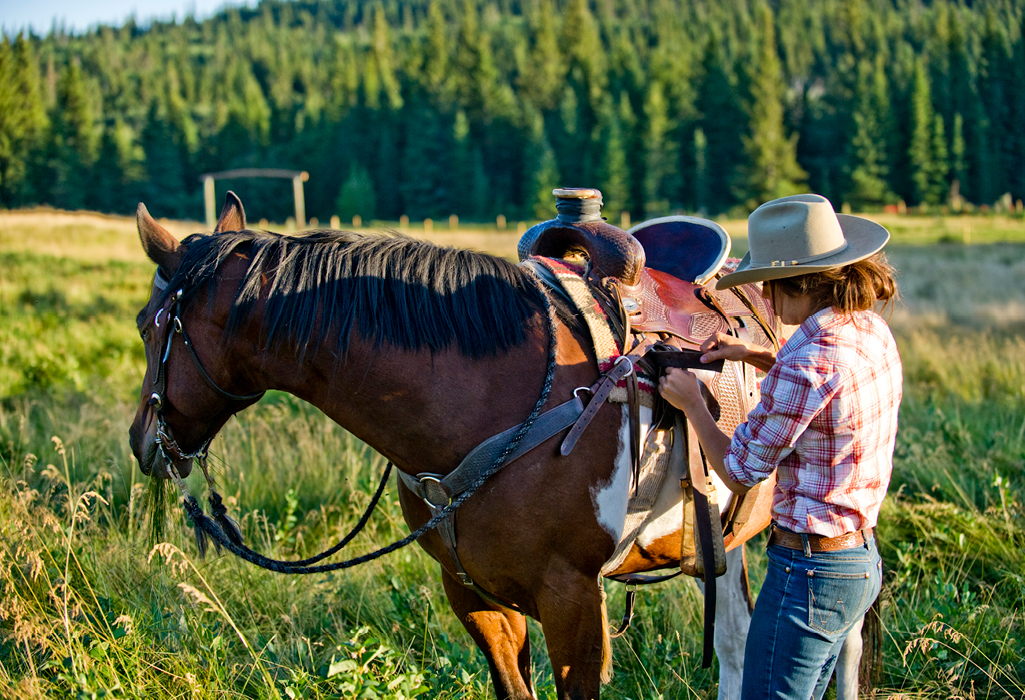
(92, 605)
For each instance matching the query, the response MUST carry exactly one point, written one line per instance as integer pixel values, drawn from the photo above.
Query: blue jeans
(804, 611)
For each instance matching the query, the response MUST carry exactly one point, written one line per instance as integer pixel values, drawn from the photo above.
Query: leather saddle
(666, 297)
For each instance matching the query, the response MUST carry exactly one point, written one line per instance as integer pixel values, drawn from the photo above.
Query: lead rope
(205, 526)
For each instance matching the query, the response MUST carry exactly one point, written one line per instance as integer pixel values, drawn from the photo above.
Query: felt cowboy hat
(800, 235)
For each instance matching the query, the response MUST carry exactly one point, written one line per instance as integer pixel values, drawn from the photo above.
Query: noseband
(166, 444)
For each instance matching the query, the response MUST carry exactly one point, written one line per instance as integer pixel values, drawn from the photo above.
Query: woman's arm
(728, 347)
(682, 389)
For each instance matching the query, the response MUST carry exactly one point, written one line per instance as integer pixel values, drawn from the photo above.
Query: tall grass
(89, 607)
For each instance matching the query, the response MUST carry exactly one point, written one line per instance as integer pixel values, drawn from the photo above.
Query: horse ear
(161, 247)
(233, 216)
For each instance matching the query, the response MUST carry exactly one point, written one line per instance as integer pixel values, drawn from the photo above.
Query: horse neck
(422, 410)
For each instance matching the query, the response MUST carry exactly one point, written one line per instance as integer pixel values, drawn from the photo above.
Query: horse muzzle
(153, 457)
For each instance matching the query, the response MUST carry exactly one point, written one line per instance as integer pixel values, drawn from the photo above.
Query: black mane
(391, 288)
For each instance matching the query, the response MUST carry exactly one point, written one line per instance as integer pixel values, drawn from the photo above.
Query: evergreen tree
(613, 170)
(73, 140)
(957, 154)
(659, 152)
(357, 196)
(474, 66)
(940, 162)
(700, 172)
(428, 186)
(120, 170)
(867, 151)
(771, 170)
(921, 149)
(436, 59)
(22, 119)
(541, 78)
(383, 58)
(721, 122)
(542, 174)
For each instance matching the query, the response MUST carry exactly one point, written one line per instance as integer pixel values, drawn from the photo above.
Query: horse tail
(606, 643)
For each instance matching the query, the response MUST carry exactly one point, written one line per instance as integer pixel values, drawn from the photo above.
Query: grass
(90, 608)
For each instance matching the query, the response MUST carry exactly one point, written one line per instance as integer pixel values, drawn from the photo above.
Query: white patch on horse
(611, 497)
(667, 513)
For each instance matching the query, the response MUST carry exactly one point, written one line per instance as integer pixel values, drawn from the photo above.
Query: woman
(826, 425)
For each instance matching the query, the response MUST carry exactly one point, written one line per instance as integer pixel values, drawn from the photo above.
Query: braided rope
(206, 526)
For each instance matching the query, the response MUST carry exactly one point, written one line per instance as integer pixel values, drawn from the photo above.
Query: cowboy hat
(799, 235)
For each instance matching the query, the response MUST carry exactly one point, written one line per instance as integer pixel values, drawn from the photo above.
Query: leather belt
(818, 543)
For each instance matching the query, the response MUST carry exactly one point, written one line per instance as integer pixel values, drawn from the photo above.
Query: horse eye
(144, 333)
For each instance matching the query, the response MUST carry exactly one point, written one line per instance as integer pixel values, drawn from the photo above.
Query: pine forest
(478, 108)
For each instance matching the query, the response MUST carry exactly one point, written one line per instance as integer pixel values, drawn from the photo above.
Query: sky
(79, 15)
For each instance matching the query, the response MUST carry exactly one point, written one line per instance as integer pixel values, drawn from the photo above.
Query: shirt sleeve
(793, 394)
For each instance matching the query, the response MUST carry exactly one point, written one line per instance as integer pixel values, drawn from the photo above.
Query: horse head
(182, 406)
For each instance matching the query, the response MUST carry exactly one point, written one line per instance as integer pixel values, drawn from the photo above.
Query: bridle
(167, 446)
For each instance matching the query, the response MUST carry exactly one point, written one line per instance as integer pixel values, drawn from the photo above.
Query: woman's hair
(854, 287)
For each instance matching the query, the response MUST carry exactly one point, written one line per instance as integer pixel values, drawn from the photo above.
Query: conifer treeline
(480, 107)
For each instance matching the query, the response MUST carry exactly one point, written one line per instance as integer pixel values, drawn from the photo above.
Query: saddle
(659, 312)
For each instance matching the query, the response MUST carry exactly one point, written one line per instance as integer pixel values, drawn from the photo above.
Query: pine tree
(384, 58)
(700, 172)
(475, 73)
(613, 170)
(542, 173)
(74, 140)
(920, 150)
(940, 162)
(428, 184)
(957, 154)
(867, 152)
(541, 78)
(357, 196)
(721, 122)
(771, 170)
(436, 59)
(659, 151)
(22, 119)
(120, 170)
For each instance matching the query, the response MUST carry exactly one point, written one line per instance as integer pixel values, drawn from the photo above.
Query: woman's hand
(682, 389)
(720, 346)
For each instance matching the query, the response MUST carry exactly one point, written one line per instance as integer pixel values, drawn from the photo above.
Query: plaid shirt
(826, 424)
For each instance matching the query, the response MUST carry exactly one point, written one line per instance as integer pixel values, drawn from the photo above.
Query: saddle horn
(579, 230)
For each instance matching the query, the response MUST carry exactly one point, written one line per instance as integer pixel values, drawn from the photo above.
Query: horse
(423, 352)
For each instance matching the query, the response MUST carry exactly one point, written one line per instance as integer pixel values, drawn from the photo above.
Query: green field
(89, 608)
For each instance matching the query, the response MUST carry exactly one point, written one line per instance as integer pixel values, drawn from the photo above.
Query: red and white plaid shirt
(826, 424)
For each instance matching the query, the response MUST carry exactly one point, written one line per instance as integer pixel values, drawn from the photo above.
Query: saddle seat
(683, 247)
(674, 295)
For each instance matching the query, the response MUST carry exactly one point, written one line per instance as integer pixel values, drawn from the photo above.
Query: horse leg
(847, 664)
(501, 634)
(572, 616)
(732, 618)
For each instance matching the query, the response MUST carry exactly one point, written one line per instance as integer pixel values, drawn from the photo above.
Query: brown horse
(422, 352)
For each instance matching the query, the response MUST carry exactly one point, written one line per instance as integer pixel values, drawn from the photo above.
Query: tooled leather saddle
(658, 279)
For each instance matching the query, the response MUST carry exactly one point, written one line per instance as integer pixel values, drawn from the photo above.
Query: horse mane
(393, 289)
